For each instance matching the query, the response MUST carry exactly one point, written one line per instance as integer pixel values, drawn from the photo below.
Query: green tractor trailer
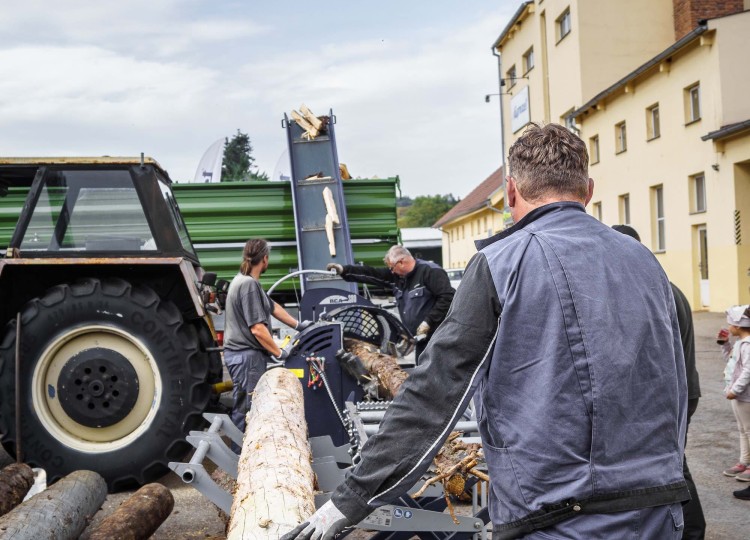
(108, 349)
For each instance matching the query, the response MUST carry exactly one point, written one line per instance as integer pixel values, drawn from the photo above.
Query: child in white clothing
(737, 379)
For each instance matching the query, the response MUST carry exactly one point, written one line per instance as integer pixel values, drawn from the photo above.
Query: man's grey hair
(395, 254)
(548, 161)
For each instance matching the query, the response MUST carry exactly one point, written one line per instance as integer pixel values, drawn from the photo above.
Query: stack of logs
(65, 509)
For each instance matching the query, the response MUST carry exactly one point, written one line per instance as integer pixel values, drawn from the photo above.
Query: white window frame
(659, 219)
(564, 24)
(693, 103)
(596, 210)
(528, 60)
(594, 150)
(698, 193)
(653, 122)
(624, 204)
(621, 137)
(512, 76)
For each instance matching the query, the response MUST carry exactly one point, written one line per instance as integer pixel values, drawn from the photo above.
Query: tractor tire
(112, 380)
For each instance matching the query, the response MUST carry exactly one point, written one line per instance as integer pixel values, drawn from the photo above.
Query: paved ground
(712, 446)
(713, 443)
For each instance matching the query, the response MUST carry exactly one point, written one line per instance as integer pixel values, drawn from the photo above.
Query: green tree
(426, 210)
(238, 164)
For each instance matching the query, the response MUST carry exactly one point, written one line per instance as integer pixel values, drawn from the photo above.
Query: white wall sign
(519, 110)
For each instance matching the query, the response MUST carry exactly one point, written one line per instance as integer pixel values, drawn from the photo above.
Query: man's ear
(510, 191)
(591, 191)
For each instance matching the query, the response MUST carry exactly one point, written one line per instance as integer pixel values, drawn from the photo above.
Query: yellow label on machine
(297, 372)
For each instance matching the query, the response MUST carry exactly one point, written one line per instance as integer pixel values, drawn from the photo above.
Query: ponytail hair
(253, 253)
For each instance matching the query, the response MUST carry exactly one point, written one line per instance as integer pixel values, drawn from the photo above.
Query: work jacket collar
(532, 216)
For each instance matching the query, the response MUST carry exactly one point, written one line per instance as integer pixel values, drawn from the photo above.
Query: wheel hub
(98, 387)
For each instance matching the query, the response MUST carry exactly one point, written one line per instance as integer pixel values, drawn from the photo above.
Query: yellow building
(478, 215)
(657, 92)
(670, 154)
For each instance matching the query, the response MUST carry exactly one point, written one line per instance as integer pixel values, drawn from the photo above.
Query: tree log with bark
(61, 512)
(275, 480)
(383, 366)
(138, 517)
(15, 482)
(456, 460)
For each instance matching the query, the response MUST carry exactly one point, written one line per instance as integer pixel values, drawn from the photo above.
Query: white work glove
(336, 267)
(283, 356)
(301, 325)
(422, 329)
(325, 524)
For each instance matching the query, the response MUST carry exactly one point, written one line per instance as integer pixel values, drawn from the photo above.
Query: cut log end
(138, 517)
(15, 482)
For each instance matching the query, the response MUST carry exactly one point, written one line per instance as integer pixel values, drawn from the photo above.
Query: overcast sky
(406, 80)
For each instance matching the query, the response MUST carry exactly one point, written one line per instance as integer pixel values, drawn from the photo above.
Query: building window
(653, 127)
(657, 212)
(528, 61)
(510, 76)
(693, 103)
(621, 138)
(698, 193)
(463, 232)
(597, 210)
(624, 201)
(594, 149)
(563, 24)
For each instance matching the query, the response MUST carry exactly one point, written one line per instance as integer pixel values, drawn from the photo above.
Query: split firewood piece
(310, 131)
(62, 511)
(332, 218)
(275, 478)
(316, 122)
(329, 235)
(138, 517)
(15, 482)
(456, 460)
(331, 205)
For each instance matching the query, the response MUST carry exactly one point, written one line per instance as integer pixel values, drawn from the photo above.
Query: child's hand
(722, 337)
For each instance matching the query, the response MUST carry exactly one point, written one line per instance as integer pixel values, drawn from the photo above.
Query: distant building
(424, 243)
(657, 89)
(478, 215)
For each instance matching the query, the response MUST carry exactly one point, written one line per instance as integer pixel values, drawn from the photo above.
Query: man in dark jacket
(695, 521)
(577, 369)
(422, 290)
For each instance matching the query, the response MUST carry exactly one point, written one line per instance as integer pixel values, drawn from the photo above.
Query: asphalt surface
(713, 445)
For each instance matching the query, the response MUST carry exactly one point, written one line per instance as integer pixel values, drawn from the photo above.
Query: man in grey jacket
(581, 399)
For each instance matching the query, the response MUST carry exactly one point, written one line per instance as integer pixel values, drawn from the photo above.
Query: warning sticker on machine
(299, 373)
(381, 517)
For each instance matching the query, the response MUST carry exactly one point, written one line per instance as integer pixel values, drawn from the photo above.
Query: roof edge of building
(513, 20)
(666, 53)
(727, 131)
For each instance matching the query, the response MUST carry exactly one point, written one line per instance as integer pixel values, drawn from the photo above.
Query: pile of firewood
(65, 509)
(456, 461)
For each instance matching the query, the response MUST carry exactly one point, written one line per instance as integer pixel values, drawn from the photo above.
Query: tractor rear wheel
(112, 379)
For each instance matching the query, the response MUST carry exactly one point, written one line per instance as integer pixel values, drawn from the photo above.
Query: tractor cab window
(174, 213)
(79, 211)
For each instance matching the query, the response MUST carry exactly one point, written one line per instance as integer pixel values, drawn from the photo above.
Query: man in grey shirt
(248, 343)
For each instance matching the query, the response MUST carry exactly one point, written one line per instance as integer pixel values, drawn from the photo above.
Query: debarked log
(138, 517)
(15, 482)
(61, 512)
(275, 478)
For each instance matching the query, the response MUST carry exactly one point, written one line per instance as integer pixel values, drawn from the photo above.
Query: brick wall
(687, 13)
